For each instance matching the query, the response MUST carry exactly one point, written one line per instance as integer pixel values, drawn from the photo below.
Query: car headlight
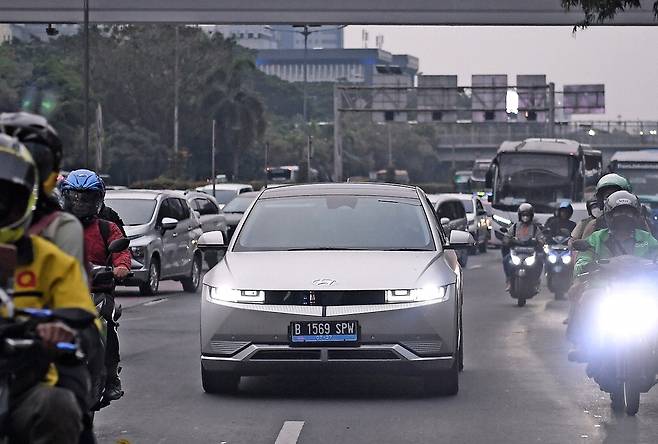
(502, 220)
(530, 261)
(217, 295)
(566, 259)
(552, 258)
(625, 314)
(138, 252)
(515, 260)
(428, 293)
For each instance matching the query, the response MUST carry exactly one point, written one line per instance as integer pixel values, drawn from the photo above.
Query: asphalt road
(517, 387)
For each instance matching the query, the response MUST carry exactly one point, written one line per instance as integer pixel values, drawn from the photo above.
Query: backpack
(104, 227)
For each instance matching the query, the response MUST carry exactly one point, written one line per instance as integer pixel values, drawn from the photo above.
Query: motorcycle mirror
(118, 245)
(7, 263)
(581, 245)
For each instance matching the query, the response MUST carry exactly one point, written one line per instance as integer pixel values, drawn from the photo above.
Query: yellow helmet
(19, 188)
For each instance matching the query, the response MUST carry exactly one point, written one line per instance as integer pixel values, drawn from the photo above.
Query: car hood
(134, 231)
(331, 270)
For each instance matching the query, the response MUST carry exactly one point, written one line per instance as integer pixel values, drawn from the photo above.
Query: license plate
(314, 332)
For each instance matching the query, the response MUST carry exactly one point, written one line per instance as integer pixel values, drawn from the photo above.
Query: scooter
(559, 264)
(23, 360)
(526, 267)
(102, 287)
(618, 327)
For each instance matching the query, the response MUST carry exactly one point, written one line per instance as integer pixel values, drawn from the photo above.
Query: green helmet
(613, 180)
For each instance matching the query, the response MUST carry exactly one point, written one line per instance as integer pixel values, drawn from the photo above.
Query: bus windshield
(643, 180)
(540, 179)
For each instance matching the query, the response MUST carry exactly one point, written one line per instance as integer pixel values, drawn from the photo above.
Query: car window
(245, 190)
(183, 209)
(468, 205)
(133, 211)
(479, 207)
(446, 209)
(436, 218)
(458, 209)
(166, 210)
(205, 206)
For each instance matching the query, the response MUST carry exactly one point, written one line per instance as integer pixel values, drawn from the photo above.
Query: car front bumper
(250, 339)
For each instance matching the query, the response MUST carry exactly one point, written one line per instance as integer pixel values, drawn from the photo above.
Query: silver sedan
(353, 278)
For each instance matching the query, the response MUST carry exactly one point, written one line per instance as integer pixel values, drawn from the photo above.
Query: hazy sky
(624, 58)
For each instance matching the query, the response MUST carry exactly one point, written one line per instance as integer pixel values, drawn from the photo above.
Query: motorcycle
(23, 360)
(526, 268)
(619, 327)
(559, 264)
(103, 283)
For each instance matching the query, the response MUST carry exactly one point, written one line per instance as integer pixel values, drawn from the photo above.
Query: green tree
(600, 11)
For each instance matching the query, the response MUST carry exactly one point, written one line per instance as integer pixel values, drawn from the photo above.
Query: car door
(169, 238)
(211, 219)
(460, 221)
(190, 230)
(180, 234)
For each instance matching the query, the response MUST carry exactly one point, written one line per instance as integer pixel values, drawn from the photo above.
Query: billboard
(392, 94)
(583, 99)
(533, 98)
(441, 101)
(489, 98)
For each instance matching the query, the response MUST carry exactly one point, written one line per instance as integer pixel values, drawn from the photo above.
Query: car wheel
(219, 382)
(520, 302)
(445, 383)
(191, 283)
(150, 288)
(461, 350)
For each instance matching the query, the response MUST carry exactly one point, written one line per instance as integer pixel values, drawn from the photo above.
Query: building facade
(335, 65)
(250, 36)
(321, 37)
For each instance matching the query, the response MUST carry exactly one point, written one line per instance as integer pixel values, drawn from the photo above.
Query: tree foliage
(601, 11)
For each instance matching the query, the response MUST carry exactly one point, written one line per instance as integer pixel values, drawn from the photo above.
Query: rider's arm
(585, 258)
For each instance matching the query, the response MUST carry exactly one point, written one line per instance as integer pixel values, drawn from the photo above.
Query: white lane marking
(157, 301)
(474, 267)
(289, 433)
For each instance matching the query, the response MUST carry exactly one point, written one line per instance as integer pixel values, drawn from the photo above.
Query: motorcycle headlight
(530, 261)
(427, 293)
(566, 259)
(546, 249)
(515, 259)
(627, 314)
(217, 295)
(552, 258)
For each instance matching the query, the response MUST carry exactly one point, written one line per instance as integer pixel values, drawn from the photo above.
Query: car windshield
(222, 196)
(468, 205)
(480, 171)
(133, 211)
(239, 204)
(336, 222)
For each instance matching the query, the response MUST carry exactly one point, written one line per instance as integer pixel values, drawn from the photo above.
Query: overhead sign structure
(583, 99)
(489, 97)
(533, 98)
(363, 12)
(441, 100)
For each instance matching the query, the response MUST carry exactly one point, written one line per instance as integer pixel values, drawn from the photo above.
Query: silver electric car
(352, 278)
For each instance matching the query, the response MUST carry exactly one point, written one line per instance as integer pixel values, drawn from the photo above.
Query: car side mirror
(169, 223)
(460, 240)
(118, 245)
(445, 221)
(212, 240)
(581, 245)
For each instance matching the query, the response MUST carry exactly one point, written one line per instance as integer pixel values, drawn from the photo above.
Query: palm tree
(240, 114)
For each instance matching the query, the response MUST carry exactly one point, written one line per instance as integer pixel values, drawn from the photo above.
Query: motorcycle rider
(555, 225)
(48, 221)
(625, 235)
(83, 192)
(45, 277)
(522, 231)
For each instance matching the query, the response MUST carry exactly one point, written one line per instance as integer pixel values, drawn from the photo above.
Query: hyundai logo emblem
(324, 282)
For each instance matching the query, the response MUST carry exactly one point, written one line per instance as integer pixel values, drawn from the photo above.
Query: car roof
(351, 188)
(226, 186)
(636, 156)
(540, 145)
(142, 194)
(445, 197)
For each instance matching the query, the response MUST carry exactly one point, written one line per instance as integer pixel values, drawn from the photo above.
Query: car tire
(520, 302)
(219, 382)
(445, 383)
(191, 283)
(150, 288)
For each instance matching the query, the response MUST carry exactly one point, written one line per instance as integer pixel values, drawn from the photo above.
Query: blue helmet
(83, 192)
(566, 205)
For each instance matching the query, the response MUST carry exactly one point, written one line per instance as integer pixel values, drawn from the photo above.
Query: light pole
(86, 93)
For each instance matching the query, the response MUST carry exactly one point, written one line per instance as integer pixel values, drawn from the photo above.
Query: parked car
(163, 231)
(226, 192)
(210, 216)
(234, 210)
(476, 217)
(452, 215)
(352, 278)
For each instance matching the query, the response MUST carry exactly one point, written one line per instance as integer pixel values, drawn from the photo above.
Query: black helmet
(525, 209)
(622, 212)
(566, 205)
(40, 138)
